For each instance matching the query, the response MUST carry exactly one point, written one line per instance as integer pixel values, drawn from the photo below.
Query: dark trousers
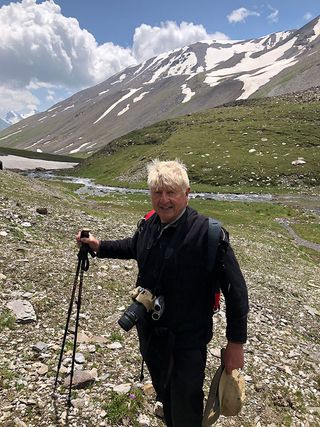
(183, 395)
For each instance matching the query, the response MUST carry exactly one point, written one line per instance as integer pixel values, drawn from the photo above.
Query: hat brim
(212, 408)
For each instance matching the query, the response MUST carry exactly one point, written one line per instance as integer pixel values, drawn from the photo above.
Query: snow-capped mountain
(196, 77)
(3, 124)
(12, 117)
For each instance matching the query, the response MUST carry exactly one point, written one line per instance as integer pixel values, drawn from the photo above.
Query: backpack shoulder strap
(214, 233)
(149, 214)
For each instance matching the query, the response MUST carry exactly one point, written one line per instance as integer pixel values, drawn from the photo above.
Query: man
(171, 249)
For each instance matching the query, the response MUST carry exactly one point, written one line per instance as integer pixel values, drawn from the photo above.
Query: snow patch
(76, 150)
(130, 93)
(316, 30)
(124, 110)
(104, 91)
(122, 77)
(138, 98)
(67, 108)
(8, 136)
(188, 92)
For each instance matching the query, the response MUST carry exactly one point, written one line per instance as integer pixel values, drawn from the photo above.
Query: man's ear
(187, 191)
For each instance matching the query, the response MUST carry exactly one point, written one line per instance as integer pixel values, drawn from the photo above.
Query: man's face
(169, 203)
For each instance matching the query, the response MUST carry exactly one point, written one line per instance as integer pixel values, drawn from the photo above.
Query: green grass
(7, 320)
(309, 231)
(215, 145)
(121, 407)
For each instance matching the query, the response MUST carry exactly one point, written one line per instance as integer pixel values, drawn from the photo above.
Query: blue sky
(52, 49)
(116, 21)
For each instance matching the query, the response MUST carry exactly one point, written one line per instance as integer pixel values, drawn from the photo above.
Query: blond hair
(167, 174)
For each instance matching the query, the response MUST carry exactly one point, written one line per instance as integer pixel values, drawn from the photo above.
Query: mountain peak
(193, 78)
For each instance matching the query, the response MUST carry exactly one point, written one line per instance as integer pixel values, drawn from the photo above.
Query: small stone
(91, 348)
(19, 423)
(43, 369)
(78, 403)
(158, 410)
(39, 347)
(114, 346)
(148, 389)
(79, 358)
(42, 211)
(143, 420)
(3, 233)
(26, 224)
(23, 311)
(81, 379)
(122, 388)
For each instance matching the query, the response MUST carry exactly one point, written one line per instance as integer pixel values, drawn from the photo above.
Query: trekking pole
(83, 265)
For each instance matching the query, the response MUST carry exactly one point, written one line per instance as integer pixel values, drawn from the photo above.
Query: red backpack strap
(149, 214)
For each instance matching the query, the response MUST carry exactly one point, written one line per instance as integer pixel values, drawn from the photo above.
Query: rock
(79, 358)
(42, 211)
(91, 348)
(43, 369)
(3, 233)
(26, 224)
(311, 310)
(82, 338)
(23, 310)
(298, 162)
(78, 403)
(81, 379)
(122, 388)
(19, 423)
(39, 347)
(114, 346)
(143, 420)
(2, 277)
(148, 389)
(158, 410)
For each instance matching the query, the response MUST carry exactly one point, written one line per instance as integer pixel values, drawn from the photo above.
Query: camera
(143, 303)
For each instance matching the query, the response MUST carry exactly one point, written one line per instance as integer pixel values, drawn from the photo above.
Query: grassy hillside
(35, 155)
(250, 143)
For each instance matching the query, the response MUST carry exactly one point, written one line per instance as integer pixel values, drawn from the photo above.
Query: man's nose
(164, 197)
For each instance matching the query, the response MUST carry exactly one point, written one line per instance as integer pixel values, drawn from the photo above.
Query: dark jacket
(173, 262)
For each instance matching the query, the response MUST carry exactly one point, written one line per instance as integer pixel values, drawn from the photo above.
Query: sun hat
(226, 395)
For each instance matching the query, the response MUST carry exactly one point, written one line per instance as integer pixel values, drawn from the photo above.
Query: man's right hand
(92, 241)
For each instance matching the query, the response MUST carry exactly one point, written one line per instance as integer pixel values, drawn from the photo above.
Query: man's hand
(91, 241)
(233, 357)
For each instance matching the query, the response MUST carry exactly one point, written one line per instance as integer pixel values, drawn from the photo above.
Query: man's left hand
(233, 357)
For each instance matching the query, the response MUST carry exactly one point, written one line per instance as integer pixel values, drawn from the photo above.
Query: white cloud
(39, 43)
(42, 50)
(15, 99)
(274, 15)
(240, 15)
(151, 41)
(307, 16)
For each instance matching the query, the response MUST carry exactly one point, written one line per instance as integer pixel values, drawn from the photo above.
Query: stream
(88, 186)
(302, 201)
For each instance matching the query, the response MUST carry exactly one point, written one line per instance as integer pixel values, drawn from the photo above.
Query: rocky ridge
(37, 265)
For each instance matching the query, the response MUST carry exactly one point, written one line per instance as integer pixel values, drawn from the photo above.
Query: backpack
(214, 233)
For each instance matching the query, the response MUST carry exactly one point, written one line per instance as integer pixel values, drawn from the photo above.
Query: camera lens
(131, 316)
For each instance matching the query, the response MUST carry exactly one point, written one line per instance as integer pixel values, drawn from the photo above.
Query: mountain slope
(195, 78)
(254, 143)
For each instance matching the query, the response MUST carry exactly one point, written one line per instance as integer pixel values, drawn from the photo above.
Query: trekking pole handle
(85, 233)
